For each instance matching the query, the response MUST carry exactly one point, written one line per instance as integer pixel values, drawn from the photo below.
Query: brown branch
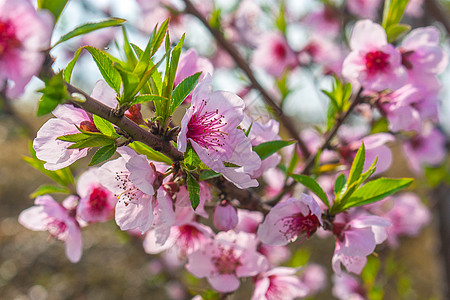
(136, 132)
(243, 65)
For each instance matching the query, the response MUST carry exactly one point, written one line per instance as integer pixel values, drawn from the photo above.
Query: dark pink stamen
(376, 61)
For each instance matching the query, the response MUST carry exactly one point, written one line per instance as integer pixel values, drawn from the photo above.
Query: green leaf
(193, 189)
(376, 190)
(151, 154)
(264, 150)
(74, 137)
(130, 84)
(49, 189)
(208, 174)
(170, 74)
(313, 186)
(69, 69)
(54, 93)
(339, 184)
(395, 31)
(105, 66)
(147, 98)
(89, 27)
(357, 165)
(93, 141)
(105, 126)
(62, 176)
(191, 159)
(281, 18)
(54, 6)
(104, 153)
(183, 90)
(393, 12)
(131, 58)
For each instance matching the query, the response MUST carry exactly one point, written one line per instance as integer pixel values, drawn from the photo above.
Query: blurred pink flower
(225, 216)
(374, 63)
(363, 8)
(24, 35)
(279, 283)
(227, 258)
(59, 221)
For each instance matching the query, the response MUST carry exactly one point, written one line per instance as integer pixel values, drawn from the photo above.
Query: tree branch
(243, 65)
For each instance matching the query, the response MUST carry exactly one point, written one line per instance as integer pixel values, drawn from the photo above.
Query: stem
(243, 65)
(136, 132)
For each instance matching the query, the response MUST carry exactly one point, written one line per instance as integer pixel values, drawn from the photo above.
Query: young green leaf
(264, 150)
(105, 126)
(69, 69)
(89, 27)
(208, 174)
(339, 184)
(54, 93)
(93, 141)
(49, 189)
(54, 6)
(183, 90)
(313, 186)
(376, 190)
(357, 165)
(151, 154)
(74, 137)
(147, 98)
(171, 72)
(105, 66)
(395, 31)
(393, 12)
(193, 189)
(130, 84)
(131, 58)
(191, 159)
(102, 154)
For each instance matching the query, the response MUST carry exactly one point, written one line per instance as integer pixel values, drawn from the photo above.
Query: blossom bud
(225, 216)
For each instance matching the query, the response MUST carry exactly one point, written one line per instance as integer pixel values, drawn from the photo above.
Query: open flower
(211, 126)
(24, 34)
(374, 63)
(96, 201)
(289, 220)
(58, 220)
(226, 258)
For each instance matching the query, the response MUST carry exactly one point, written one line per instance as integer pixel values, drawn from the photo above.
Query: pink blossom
(313, 276)
(191, 63)
(425, 149)
(55, 152)
(325, 52)
(131, 180)
(225, 216)
(374, 63)
(59, 221)
(227, 258)
(184, 239)
(414, 8)
(275, 255)
(24, 34)
(356, 239)
(324, 21)
(363, 8)
(347, 287)
(211, 126)
(408, 216)
(423, 57)
(291, 219)
(273, 54)
(279, 283)
(96, 202)
(248, 221)
(182, 199)
(261, 133)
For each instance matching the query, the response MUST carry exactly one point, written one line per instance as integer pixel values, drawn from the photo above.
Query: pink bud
(225, 217)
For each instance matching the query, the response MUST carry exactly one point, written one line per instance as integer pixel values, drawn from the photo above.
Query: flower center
(205, 128)
(279, 50)
(56, 228)
(300, 226)
(130, 193)
(8, 39)
(188, 238)
(226, 261)
(377, 61)
(98, 199)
